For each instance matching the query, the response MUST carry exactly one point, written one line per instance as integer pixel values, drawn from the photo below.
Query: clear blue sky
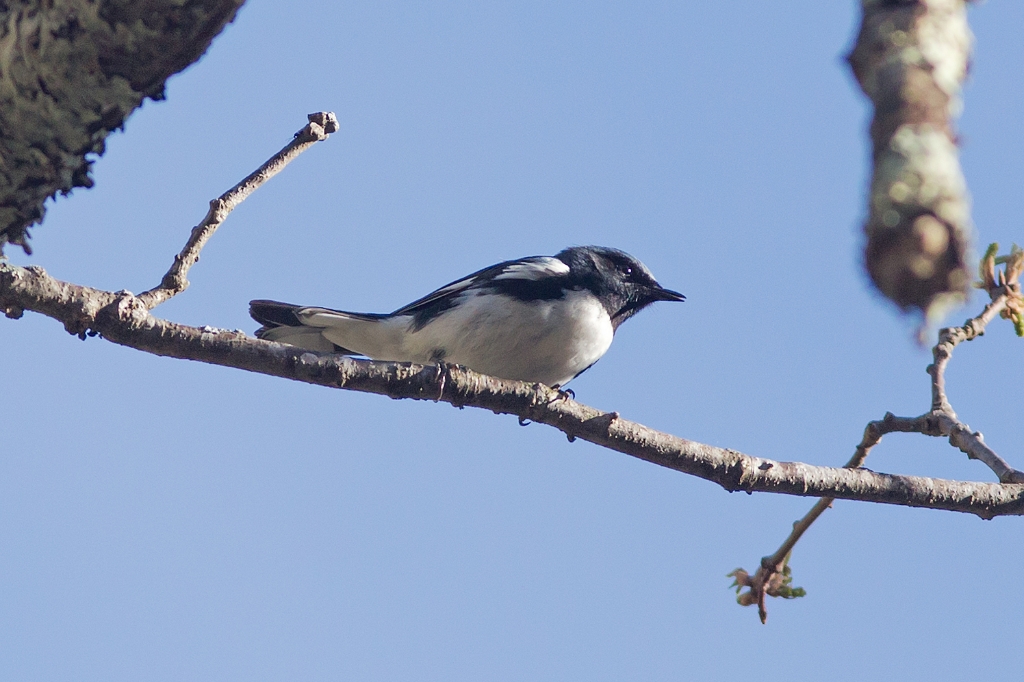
(168, 520)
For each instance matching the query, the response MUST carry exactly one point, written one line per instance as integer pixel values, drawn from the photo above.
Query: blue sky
(163, 519)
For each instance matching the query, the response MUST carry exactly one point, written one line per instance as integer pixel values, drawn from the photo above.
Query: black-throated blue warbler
(538, 319)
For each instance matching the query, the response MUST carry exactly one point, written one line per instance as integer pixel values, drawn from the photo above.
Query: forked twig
(320, 126)
(773, 578)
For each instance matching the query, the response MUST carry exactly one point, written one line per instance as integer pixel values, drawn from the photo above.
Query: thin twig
(872, 435)
(320, 126)
(950, 338)
(1003, 288)
(773, 577)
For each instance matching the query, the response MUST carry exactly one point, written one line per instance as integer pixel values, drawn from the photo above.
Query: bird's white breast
(547, 341)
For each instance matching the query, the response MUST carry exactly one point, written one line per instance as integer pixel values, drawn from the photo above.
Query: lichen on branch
(71, 71)
(910, 59)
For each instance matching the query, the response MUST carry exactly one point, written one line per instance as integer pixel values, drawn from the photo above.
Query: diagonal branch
(320, 126)
(123, 319)
(773, 576)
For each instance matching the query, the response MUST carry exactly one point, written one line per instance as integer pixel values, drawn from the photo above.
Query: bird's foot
(443, 374)
(564, 394)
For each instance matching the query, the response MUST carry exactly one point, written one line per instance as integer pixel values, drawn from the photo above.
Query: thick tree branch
(71, 71)
(122, 318)
(911, 58)
(320, 126)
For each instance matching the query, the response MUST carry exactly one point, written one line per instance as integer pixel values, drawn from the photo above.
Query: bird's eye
(627, 271)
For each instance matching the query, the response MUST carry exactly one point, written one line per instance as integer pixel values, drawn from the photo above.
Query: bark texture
(910, 58)
(71, 71)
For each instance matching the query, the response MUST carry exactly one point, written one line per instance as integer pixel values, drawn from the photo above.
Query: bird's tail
(281, 323)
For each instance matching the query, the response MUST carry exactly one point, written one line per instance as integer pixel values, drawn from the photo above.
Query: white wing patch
(535, 269)
(453, 287)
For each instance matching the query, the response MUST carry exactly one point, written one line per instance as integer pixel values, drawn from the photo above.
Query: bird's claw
(564, 394)
(443, 372)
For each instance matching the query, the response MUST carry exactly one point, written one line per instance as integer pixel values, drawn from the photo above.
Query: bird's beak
(660, 294)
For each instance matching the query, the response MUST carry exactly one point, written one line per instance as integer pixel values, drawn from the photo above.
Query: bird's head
(623, 284)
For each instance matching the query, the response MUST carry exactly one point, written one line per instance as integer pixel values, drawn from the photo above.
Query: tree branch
(320, 126)
(71, 72)
(123, 319)
(773, 576)
(950, 338)
(910, 59)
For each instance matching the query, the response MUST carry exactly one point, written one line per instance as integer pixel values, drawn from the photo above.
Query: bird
(540, 319)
